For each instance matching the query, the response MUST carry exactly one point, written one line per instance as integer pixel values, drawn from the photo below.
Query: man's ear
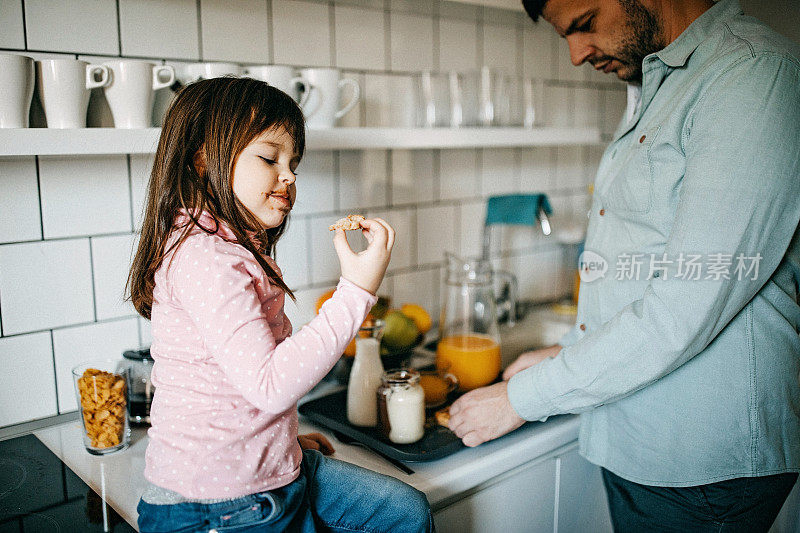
(200, 161)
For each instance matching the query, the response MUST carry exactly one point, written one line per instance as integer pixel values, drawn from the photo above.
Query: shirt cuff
(349, 286)
(525, 396)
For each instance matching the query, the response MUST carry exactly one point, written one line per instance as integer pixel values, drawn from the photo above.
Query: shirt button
(602, 212)
(583, 327)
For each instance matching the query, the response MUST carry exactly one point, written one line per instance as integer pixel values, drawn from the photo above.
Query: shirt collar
(207, 223)
(676, 53)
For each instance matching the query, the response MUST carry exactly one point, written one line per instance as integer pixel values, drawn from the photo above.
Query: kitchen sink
(541, 326)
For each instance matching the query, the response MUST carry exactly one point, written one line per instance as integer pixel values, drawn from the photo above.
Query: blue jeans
(329, 495)
(740, 505)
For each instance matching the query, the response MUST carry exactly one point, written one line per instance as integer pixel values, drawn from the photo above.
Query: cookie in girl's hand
(350, 222)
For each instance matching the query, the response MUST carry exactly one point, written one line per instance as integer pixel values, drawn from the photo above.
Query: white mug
(205, 71)
(281, 77)
(130, 91)
(63, 86)
(16, 90)
(322, 106)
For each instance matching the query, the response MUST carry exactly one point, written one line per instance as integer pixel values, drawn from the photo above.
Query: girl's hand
(366, 269)
(316, 441)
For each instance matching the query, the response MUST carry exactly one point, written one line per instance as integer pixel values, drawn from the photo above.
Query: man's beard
(643, 36)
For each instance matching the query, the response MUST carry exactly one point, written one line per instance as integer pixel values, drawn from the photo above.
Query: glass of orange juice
(473, 358)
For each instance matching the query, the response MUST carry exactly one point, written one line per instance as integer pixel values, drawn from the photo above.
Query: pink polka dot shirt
(227, 374)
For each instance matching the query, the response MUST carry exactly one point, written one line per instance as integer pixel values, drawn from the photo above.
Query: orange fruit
(324, 297)
(350, 351)
(420, 317)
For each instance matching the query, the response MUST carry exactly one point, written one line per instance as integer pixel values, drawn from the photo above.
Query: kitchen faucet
(513, 209)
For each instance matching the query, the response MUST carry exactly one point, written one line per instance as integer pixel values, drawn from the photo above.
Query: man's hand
(483, 414)
(528, 359)
(316, 441)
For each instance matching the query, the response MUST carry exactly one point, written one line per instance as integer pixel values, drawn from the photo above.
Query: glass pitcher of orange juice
(469, 336)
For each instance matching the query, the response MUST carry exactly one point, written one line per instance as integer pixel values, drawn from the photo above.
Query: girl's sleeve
(218, 292)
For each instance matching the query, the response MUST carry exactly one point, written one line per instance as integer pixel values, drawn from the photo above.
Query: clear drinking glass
(514, 112)
(531, 94)
(433, 108)
(100, 387)
(470, 97)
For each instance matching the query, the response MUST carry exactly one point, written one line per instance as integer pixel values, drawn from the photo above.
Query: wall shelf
(97, 141)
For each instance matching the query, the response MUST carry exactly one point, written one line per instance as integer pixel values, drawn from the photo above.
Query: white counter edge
(119, 479)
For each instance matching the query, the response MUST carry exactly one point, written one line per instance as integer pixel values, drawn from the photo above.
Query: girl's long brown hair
(213, 120)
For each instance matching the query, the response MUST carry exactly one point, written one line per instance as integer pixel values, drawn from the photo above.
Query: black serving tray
(331, 412)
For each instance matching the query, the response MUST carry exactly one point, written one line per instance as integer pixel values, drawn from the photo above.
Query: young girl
(224, 453)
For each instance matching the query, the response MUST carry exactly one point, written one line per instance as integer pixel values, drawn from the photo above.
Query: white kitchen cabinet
(522, 500)
(582, 504)
(561, 494)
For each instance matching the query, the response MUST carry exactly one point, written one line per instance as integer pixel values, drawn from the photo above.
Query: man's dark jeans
(742, 504)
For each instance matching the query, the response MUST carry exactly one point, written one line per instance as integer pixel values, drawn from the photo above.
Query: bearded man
(685, 357)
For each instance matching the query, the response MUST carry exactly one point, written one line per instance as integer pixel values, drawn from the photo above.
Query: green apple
(400, 331)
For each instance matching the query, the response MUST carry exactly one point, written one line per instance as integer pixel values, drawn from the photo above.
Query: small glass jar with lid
(401, 406)
(140, 388)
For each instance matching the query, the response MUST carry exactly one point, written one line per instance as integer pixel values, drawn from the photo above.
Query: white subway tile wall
(301, 33)
(222, 18)
(68, 224)
(292, 253)
(316, 184)
(363, 181)
(411, 42)
(78, 345)
(458, 45)
(360, 42)
(500, 172)
(12, 31)
(111, 260)
(77, 26)
(500, 50)
(437, 233)
(19, 200)
(45, 284)
(152, 28)
(412, 176)
(377, 100)
(458, 174)
(27, 373)
(141, 164)
(84, 195)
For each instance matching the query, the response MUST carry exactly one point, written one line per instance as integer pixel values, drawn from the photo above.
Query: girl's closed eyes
(263, 177)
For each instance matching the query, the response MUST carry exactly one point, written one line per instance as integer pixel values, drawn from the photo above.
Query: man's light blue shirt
(684, 381)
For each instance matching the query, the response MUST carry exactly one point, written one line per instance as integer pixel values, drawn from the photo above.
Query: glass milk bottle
(401, 406)
(365, 377)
